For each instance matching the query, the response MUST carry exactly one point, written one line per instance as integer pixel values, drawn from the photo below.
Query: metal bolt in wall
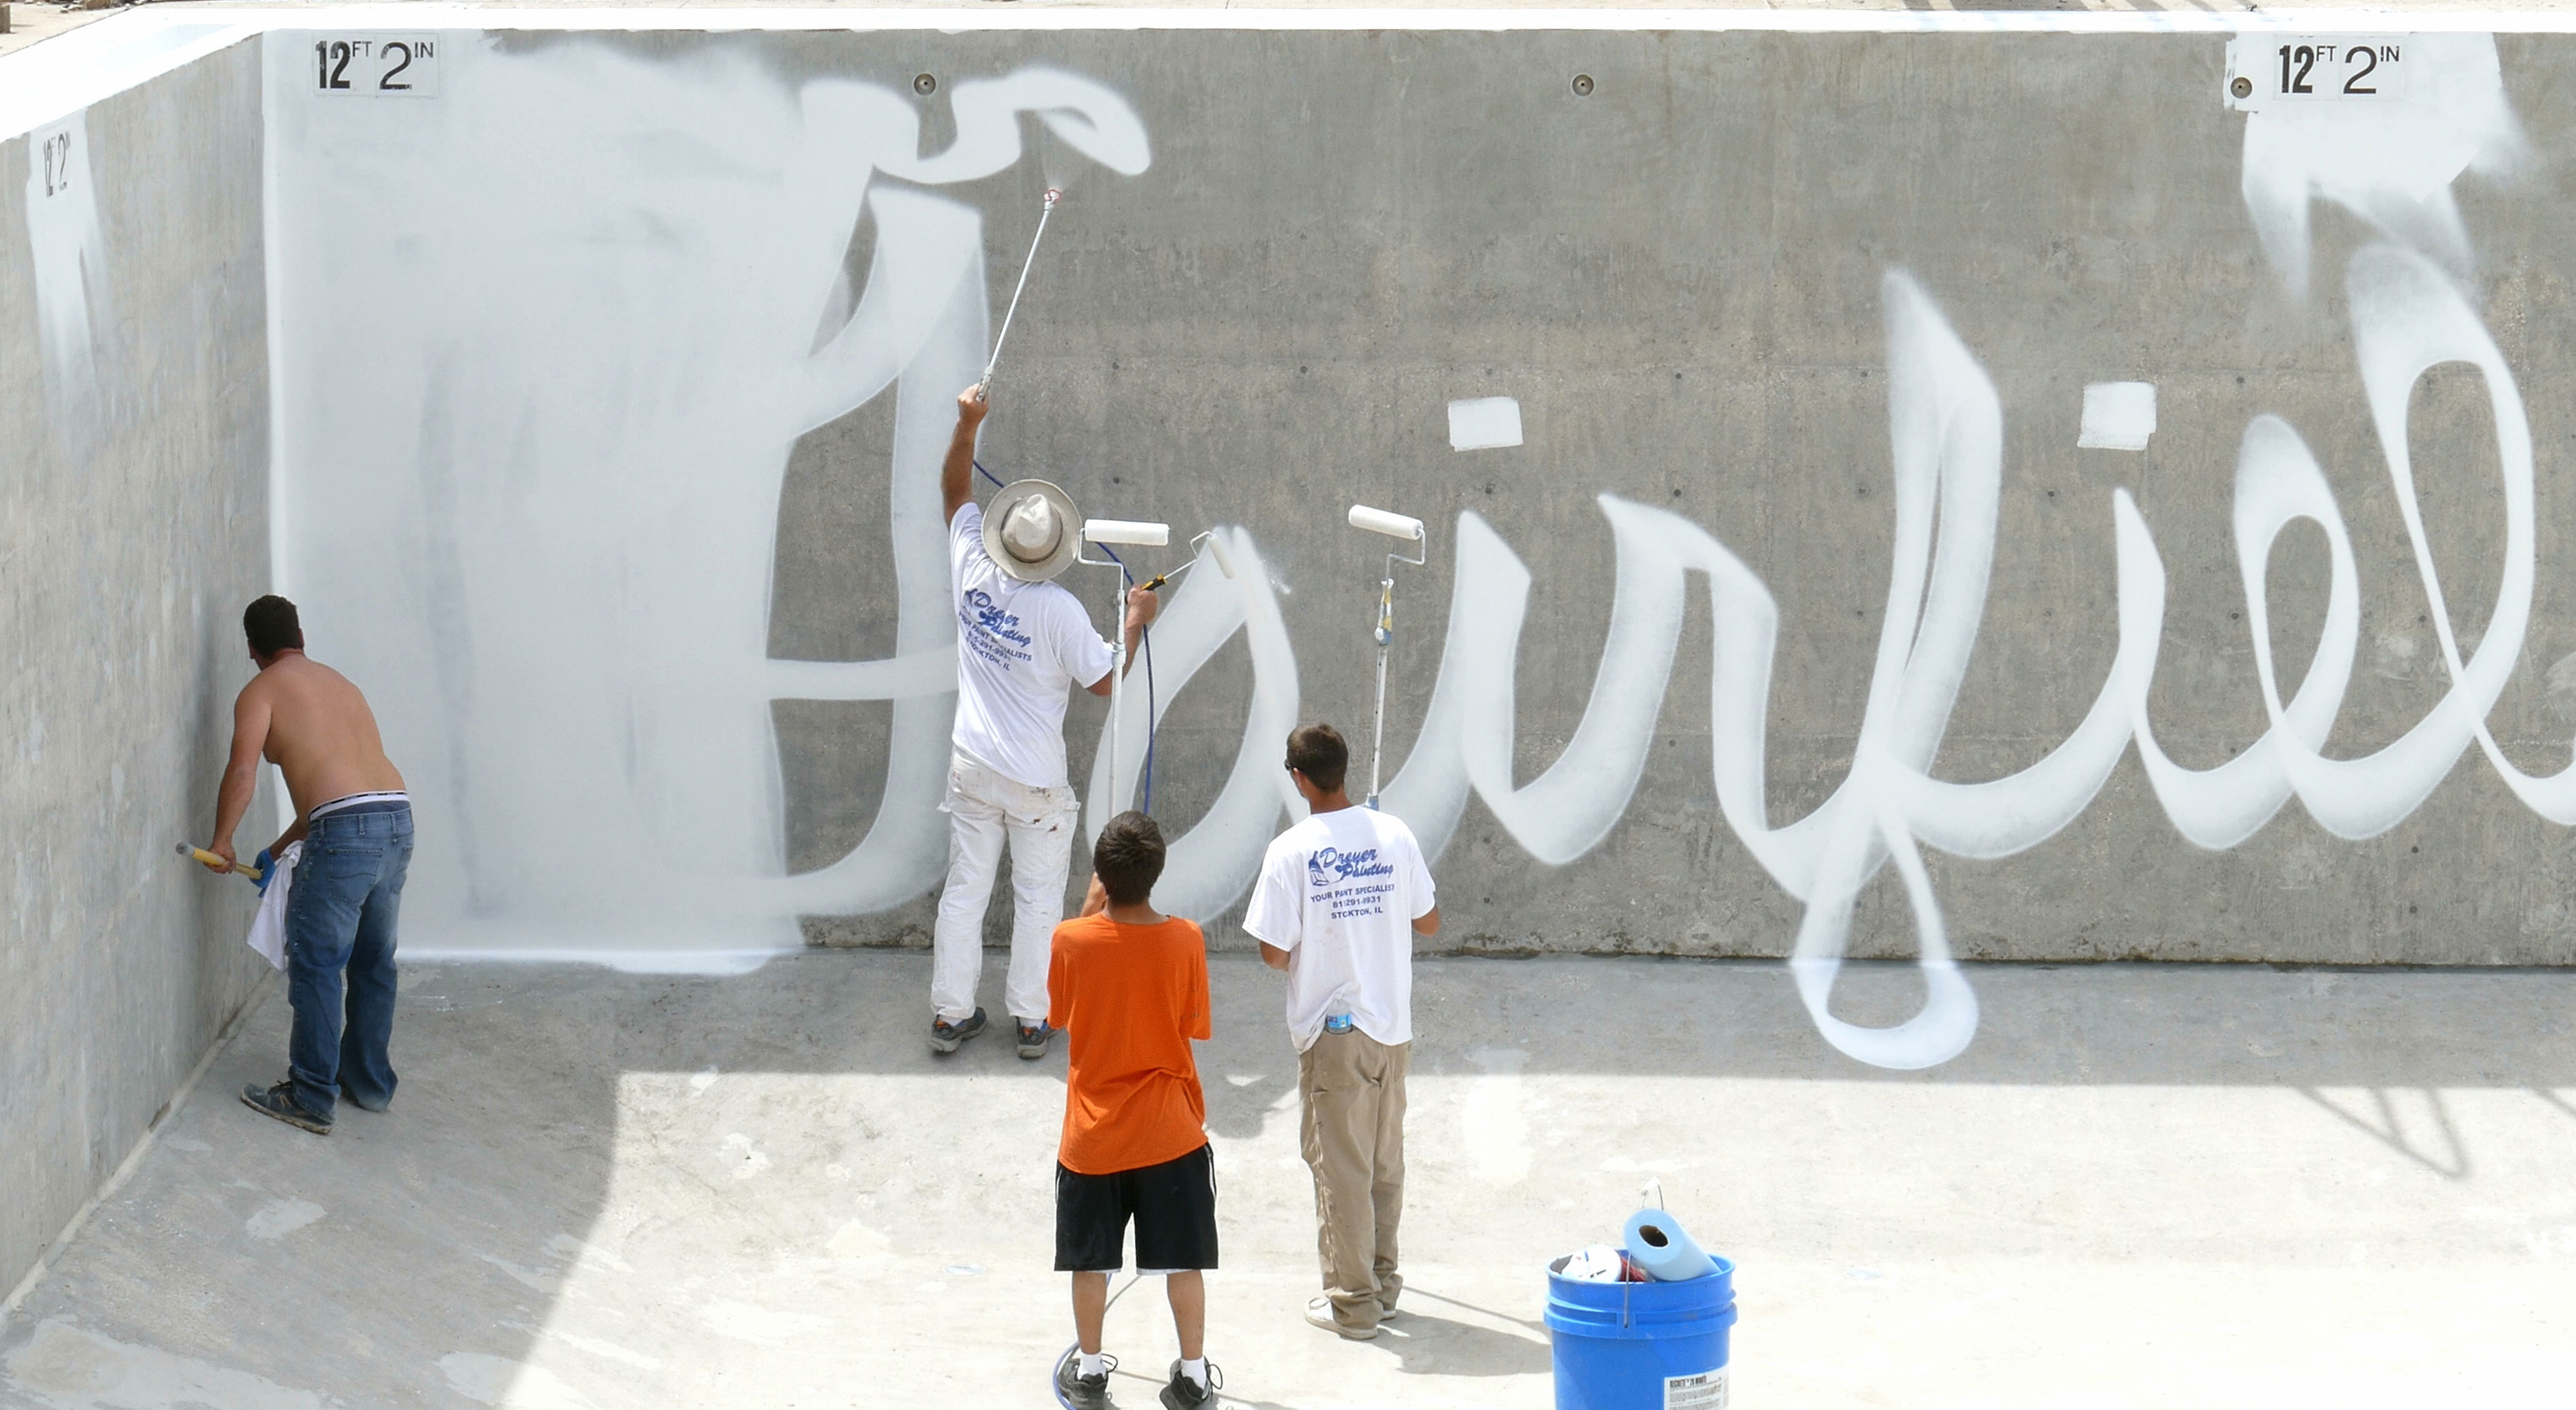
(2242, 87)
(924, 84)
(1583, 85)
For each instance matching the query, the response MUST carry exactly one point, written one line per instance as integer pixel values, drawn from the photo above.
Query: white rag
(268, 928)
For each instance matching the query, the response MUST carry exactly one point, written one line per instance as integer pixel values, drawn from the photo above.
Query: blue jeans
(340, 921)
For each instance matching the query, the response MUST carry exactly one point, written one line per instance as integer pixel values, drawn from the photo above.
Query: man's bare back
(320, 733)
(315, 726)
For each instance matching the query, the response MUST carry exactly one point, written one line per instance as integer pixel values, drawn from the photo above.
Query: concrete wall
(133, 526)
(661, 333)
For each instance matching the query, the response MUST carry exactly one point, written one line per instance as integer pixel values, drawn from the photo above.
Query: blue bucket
(1641, 1346)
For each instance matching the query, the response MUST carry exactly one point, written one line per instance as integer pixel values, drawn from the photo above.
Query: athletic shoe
(1186, 1394)
(1320, 1312)
(945, 1036)
(1033, 1041)
(1079, 1391)
(279, 1101)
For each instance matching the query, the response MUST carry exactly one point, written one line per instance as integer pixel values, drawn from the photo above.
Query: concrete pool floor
(2206, 1186)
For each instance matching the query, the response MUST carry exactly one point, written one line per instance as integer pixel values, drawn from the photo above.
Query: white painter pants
(983, 808)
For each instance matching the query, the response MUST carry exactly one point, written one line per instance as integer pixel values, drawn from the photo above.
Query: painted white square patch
(1486, 423)
(2118, 416)
(1705, 1391)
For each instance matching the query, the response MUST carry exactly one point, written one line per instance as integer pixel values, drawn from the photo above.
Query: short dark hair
(1128, 858)
(271, 625)
(1317, 751)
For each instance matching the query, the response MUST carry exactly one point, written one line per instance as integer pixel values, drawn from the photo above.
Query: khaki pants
(1352, 1089)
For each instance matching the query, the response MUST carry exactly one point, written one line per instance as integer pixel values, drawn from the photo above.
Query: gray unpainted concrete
(131, 539)
(1678, 277)
(2146, 1186)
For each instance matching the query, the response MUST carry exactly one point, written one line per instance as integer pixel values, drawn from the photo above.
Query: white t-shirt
(1340, 892)
(1021, 649)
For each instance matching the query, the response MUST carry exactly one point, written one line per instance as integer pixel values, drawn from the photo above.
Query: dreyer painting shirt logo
(994, 634)
(1352, 883)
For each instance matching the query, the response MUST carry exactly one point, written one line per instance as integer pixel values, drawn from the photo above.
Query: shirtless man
(355, 822)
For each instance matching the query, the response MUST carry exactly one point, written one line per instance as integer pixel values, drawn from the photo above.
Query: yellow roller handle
(203, 857)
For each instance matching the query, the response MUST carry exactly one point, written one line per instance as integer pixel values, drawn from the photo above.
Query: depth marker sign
(377, 65)
(2339, 68)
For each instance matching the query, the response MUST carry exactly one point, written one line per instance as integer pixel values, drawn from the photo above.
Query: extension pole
(1406, 530)
(203, 857)
(1053, 195)
(1117, 702)
(1385, 640)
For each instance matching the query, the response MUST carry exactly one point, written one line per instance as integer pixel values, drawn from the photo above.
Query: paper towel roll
(1661, 1246)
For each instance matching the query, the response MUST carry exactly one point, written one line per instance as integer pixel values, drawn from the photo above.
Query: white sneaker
(1320, 1312)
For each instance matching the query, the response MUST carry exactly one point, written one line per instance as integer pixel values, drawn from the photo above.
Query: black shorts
(1173, 1204)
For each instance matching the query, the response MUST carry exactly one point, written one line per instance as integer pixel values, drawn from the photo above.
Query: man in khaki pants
(1340, 898)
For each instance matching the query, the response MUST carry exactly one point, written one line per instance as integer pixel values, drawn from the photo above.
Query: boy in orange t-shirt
(1129, 987)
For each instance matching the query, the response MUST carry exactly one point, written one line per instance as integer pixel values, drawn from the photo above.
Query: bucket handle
(1651, 1192)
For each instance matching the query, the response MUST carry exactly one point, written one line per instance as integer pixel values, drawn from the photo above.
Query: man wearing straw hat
(1023, 643)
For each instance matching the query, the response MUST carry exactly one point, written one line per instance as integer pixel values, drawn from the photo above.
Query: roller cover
(1127, 531)
(1378, 521)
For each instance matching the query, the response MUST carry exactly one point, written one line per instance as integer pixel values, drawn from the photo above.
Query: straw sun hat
(1031, 530)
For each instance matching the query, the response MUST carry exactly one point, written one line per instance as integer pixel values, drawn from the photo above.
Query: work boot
(1186, 1394)
(279, 1101)
(945, 1036)
(1033, 1040)
(1320, 1312)
(1080, 1391)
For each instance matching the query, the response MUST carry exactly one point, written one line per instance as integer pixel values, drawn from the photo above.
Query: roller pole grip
(203, 857)
(1379, 521)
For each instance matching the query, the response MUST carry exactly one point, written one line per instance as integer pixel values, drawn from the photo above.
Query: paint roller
(1409, 530)
(1378, 521)
(203, 857)
(1054, 194)
(1126, 532)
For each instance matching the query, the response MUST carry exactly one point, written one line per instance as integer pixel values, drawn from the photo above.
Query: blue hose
(1074, 1350)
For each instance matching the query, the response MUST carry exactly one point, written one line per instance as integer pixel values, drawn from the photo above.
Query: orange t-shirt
(1129, 998)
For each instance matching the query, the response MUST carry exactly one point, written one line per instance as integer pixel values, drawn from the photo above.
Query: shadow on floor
(247, 1261)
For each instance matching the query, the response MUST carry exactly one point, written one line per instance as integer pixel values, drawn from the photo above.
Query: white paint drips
(556, 433)
(76, 1369)
(649, 689)
(1209, 867)
(1493, 1121)
(71, 273)
(761, 1326)
(2390, 162)
(279, 1218)
(492, 1380)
